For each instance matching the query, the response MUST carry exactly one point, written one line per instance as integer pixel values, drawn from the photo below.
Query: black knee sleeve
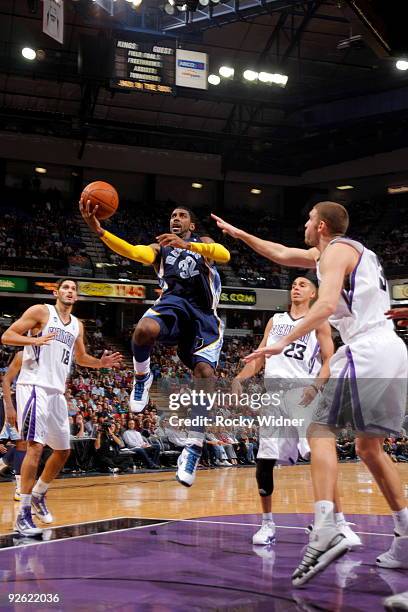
(264, 476)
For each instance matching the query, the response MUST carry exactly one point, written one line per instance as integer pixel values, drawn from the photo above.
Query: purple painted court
(199, 564)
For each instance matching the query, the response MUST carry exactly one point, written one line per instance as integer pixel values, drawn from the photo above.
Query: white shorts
(42, 416)
(367, 387)
(285, 442)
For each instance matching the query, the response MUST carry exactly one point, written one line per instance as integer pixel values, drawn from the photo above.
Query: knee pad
(264, 476)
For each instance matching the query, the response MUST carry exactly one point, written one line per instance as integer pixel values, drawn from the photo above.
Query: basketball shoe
(325, 545)
(187, 465)
(353, 540)
(397, 602)
(265, 535)
(397, 556)
(139, 396)
(25, 525)
(40, 508)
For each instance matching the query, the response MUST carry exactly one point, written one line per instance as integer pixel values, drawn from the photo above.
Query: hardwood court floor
(224, 491)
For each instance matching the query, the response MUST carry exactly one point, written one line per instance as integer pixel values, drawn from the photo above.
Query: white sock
(18, 481)
(324, 514)
(267, 517)
(340, 518)
(195, 438)
(25, 500)
(401, 521)
(141, 367)
(40, 487)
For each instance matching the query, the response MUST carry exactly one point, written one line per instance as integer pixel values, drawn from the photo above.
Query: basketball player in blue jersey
(52, 339)
(368, 374)
(10, 417)
(185, 315)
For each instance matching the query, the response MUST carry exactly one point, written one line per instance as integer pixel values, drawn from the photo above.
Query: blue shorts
(198, 334)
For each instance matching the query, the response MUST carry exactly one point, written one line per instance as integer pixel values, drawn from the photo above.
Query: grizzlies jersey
(364, 300)
(189, 275)
(299, 359)
(49, 365)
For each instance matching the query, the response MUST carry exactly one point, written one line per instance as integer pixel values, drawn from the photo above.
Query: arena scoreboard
(143, 66)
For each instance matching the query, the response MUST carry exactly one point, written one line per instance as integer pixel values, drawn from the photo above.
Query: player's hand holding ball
(99, 200)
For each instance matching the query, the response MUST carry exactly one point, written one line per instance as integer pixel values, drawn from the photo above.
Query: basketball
(104, 196)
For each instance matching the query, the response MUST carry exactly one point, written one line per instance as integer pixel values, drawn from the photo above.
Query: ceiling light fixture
(28, 53)
(226, 72)
(214, 79)
(256, 191)
(197, 185)
(41, 170)
(402, 64)
(344, 187)
(250, 75)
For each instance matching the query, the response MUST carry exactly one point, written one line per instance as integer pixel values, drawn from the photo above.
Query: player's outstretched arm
(339, 260)
(35, 316)
(280, 254)
(9, 376)
(145, 254)
(82, 358)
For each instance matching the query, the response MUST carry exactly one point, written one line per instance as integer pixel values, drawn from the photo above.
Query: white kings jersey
(299, 359)
(364, 299)
(49, 365)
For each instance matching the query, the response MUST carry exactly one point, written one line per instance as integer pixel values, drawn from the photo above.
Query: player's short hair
(60, 281)
(334, 215)
(190, 212)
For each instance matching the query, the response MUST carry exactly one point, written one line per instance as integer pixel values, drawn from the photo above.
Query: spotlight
(279, 79)
(197, 185)
(41, 170)
(344, 187)
(256, 191)
(183, 7)
(204, 2)
(264, 77)
(402, 65)
(214, 79)
(28, 53)
(226, 72)
(250, 75)
(136, 3)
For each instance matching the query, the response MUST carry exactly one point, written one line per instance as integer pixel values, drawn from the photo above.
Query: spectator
(135, 442)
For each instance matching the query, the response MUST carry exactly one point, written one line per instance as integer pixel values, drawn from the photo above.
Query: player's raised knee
(146, 331)
(203, 370)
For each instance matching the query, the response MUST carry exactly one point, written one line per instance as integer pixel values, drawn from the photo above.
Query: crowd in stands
(38, 231)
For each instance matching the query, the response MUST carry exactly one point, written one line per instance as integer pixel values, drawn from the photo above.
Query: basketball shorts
(198, 334)
(367, 387)
(277, 438)
(42, 416)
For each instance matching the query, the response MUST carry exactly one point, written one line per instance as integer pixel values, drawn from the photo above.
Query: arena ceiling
(343, 100)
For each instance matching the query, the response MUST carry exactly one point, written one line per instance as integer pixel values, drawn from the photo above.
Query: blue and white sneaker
(187, 465)
(41, 511)
(25, 525)
(139, 396)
